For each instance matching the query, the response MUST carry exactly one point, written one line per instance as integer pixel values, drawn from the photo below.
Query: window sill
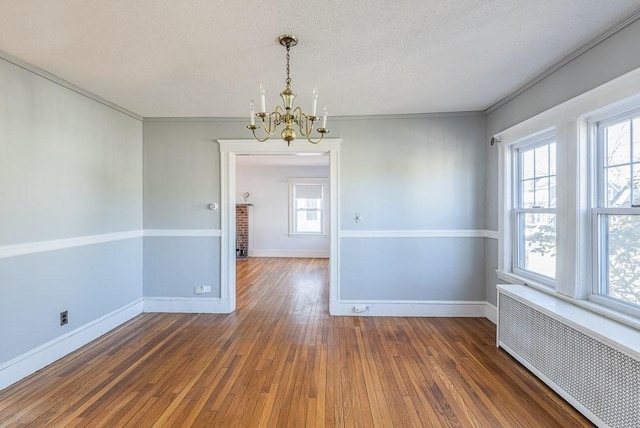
(309, 235)
(604, 311)
(513, 278)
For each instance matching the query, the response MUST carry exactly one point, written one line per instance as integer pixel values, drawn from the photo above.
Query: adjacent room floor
(281, 360)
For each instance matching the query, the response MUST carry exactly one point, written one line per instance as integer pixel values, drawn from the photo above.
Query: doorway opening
(230, 151)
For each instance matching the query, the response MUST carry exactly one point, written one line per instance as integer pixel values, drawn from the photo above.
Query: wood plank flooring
(281, 361)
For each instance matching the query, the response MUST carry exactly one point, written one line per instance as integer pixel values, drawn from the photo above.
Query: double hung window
(307, 201)
(616, 212)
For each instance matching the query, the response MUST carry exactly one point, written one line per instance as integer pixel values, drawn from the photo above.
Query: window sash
(519, 252)
(602, 212)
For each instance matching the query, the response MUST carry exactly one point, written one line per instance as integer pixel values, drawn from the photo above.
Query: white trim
(411, 308)
(15, 250)
(186, 233)
(472, 233)
(37, 358)
(188, 305)
(228, 151)
(61, 244)
(277, 146)
(305, 254)
(491, 234)
(491, 312)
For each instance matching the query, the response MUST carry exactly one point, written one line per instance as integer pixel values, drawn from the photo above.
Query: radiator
(602, 382)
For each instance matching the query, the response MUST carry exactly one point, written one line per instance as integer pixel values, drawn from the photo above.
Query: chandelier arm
(305, 123)
(272, 127)
(315, 142)
(262, 140)
(307, 128)
(297, 118)
(279, 113)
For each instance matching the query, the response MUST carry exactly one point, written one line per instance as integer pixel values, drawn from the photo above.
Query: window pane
(542, 160)
(623, 257)
(552, 159)
(618, 143)
(552, 192)
(528, 193)
(527, 164)
(539, 244)
(309, 221)
(618, 190)
(542, 193)
(304, 203)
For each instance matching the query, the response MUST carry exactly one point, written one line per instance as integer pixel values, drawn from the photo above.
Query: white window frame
(293, 182)
(599, 211)
(517, 229)
(575, 159)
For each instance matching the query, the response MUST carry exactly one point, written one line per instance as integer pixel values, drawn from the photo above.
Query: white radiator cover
(594, 375)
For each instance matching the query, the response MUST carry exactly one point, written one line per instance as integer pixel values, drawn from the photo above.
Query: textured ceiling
(205, 58)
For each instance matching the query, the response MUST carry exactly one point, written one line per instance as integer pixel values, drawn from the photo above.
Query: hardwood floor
(280, 360)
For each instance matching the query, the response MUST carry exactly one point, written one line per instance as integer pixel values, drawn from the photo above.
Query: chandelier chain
(288, 81)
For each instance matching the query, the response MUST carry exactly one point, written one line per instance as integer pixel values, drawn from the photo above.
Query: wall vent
(599, 380)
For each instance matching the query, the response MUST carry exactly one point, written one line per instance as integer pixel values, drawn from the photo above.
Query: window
(616, 211)
(594, 258)
(307, 206)
(534, 209)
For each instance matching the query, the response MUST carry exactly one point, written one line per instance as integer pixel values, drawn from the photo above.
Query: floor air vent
(600, 381)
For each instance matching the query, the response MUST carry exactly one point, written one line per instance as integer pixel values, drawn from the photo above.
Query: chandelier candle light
(288, 115)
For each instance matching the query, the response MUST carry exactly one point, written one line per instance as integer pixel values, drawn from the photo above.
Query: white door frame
(228, 151)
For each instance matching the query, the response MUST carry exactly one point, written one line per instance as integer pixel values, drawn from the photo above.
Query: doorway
(229, 150)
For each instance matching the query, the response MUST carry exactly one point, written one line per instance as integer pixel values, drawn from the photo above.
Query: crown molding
(59, 81)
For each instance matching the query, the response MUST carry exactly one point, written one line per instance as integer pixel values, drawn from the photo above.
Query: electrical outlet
(201, 289)
(64, 317)
(360, 308)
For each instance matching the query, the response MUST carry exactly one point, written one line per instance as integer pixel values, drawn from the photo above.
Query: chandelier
(287, 115)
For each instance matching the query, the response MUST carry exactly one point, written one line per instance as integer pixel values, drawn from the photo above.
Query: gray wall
(412, 269)
(269, 189)
(612, 58)
(420, 172)
(181, 178)
(423, 172)
(69, 167)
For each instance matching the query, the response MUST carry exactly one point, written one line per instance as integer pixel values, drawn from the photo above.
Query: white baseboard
(305, 254)
(187, 305)
(40, 357)
(409, 308)
(491, 312)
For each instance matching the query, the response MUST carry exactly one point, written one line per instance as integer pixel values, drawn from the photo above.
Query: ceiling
(199, 58)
